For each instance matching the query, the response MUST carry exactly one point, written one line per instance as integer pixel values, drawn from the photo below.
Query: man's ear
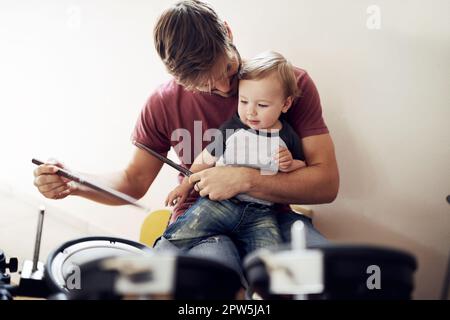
(287, 104)
(230, 34)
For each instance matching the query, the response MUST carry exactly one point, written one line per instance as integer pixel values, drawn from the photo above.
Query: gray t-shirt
(239, 145)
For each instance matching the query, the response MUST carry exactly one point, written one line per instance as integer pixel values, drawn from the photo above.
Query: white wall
(74, 75)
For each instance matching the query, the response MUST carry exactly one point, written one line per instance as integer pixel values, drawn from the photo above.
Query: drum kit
(95, 268)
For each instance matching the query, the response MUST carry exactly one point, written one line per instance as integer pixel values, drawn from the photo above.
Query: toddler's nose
(251, 111)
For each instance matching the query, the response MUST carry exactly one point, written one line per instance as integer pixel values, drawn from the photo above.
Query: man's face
(224, 79)
(261, 102)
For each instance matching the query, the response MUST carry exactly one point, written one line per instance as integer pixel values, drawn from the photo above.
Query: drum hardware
(30, 283)
(31, 277)
(12, 265)
(5, 278)
(284, 276)
(37, 243)
(312, 282)
(329, 272)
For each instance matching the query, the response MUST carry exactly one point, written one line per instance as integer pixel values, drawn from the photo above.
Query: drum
(63, 264)
(111, 268)
(157, 276)
(331, 272)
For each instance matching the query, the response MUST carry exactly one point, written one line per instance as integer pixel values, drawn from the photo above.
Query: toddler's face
(261, 102)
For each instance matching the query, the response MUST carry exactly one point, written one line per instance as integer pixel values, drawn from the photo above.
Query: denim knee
(313, 236)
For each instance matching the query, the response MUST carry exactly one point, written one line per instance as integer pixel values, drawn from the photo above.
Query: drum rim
(49, 276)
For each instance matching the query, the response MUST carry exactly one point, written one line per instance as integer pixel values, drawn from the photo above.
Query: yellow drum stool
(154, 226)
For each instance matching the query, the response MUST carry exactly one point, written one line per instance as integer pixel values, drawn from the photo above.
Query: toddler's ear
(287, 104)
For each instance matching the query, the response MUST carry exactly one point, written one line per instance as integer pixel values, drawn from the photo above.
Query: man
(197, 49)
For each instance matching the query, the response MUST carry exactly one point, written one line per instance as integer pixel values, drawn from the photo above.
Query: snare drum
(111, 268)
(157, 276)
(331, 272)
(66, 260)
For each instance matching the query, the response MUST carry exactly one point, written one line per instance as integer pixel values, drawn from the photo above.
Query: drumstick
(181, 169)
(104, 189)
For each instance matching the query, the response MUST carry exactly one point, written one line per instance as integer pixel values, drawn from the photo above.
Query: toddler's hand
(178, 195)
(284, 159)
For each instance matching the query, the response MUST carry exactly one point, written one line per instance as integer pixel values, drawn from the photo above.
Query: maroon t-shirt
(175, 117)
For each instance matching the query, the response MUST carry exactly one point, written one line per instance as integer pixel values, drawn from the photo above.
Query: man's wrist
(248, 179)
(75, 189)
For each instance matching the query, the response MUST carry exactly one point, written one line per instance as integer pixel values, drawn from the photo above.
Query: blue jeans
(250, 225)
(223, 249)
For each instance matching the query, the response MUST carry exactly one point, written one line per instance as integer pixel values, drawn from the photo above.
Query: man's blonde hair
(267, 62)
(190, 38)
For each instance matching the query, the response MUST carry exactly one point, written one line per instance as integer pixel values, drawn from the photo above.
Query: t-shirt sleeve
(151, 125)
(296, 148)
(293, 144)
(305, 116)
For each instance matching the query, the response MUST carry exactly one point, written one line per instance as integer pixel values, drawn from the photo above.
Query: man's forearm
(309, 185)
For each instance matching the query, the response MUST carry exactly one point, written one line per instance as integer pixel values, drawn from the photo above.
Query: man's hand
(315, 184)
(51, 185)
(221, 183)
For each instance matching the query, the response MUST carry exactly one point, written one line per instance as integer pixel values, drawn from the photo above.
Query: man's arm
(134, 180)
(314, 184)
